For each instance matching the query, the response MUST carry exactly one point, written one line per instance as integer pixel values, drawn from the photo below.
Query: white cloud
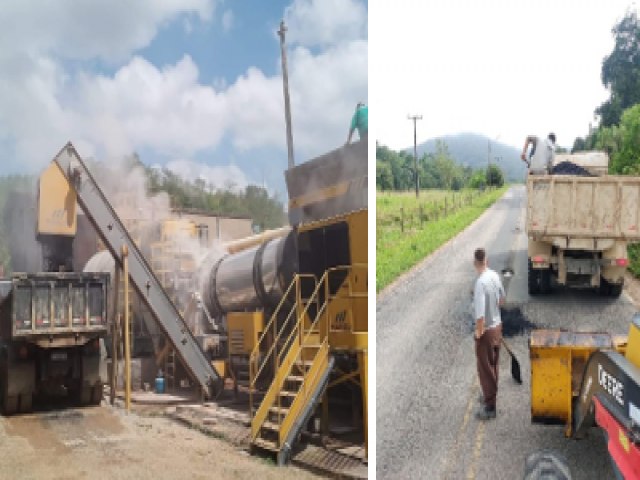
(227, 20)
(325, 22)
(167, 109)
(88, 29)
(143, 106)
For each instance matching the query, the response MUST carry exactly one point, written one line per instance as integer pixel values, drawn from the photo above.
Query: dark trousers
(487, 357)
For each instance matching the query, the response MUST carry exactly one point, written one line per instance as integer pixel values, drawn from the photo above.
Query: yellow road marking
(471, 473)
(463, 425)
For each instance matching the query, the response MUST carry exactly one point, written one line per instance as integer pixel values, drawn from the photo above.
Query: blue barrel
(159, 384)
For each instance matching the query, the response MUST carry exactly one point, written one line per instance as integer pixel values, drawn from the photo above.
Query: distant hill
(470, 149)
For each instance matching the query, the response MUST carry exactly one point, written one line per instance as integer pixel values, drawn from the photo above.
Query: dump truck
(584, 380)
(52, 321)
(51, 326)
(579, 226)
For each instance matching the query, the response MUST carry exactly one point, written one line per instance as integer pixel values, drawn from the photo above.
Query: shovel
(515, 365)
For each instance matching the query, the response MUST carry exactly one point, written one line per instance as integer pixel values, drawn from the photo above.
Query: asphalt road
(426, 378)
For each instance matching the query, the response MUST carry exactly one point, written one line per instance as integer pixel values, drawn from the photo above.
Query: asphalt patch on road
(514, 322)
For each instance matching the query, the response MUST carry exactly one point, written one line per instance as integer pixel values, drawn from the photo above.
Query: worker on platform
(360, 122)
(542, 153)
(488, 296)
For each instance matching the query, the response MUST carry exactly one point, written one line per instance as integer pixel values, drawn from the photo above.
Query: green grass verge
(397, 252)
(634, 259)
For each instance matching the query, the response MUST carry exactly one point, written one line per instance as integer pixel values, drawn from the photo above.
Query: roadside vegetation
(395, 171)
(409, 229)
(618, 132)
(451, 196)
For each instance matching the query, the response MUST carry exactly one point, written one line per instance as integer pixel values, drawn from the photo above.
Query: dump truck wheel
(610, 289)
(10, 404)
(545, 280)
(615, 289)
(96, 394)
(534, 280)
(26, 402)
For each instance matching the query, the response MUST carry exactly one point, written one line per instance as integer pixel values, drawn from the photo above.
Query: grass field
(409, 229)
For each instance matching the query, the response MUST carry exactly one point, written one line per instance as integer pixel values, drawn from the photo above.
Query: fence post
(445, 206)
(402, 219)
(421, 217)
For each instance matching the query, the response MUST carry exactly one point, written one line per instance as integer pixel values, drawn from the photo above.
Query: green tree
(444, 165)
(621, 70)
(623, 143)
(478, 180)
(579, 145)
(384, 177)
(495, 177)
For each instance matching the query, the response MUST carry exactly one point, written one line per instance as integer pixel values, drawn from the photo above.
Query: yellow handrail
(276, 335)
(253, 376)
(297, 328)
(305, 311)
(303, 334)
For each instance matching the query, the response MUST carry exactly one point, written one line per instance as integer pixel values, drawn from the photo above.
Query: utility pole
(285, 87)
(415, 118)
(489, 155)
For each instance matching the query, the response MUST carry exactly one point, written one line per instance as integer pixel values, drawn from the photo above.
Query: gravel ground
(426, 378)
(102, 442)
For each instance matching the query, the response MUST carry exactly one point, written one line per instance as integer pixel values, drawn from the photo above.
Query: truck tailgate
(583, 207)
(59, 304)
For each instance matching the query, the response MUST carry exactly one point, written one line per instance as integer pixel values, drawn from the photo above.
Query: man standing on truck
(488, 296)
(360, 122)
(542, 154)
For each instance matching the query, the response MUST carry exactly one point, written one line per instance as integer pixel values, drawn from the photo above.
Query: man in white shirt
(488, 296)
(542, 154)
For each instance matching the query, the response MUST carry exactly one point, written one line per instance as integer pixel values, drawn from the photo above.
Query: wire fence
(420, 212)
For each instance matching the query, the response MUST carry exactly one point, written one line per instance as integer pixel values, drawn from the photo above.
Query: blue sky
(193, 86)
(220, 53)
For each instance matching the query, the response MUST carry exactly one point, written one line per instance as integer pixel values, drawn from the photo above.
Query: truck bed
(54, 304)
(583, 207)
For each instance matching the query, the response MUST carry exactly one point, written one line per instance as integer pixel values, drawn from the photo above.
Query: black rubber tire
(96, 394)
(545, 280)
(533, 280)
(615, 289)
(10, 404)
(26, 402)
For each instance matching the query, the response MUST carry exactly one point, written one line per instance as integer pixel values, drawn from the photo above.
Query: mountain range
(471, 149)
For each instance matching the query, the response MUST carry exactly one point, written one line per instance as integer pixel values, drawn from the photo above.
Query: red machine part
(625, 453)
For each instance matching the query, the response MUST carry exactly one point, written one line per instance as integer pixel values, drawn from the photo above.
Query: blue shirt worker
(360, 121)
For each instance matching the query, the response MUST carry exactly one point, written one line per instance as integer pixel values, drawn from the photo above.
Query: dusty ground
(103, 442)
(426, 380)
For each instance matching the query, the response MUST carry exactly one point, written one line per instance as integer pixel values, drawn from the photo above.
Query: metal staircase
(299, 356)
